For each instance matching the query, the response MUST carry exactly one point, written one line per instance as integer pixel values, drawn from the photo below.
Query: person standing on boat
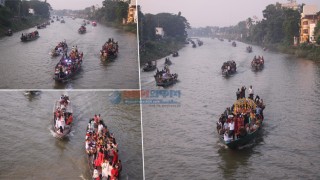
(231, 127)
(238, 94)
(251, 92)
(243, 92)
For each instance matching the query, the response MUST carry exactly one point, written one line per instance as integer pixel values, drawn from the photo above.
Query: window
(305, 22)
(305, 31)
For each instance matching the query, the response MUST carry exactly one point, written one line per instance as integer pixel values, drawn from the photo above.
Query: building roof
(310, 10)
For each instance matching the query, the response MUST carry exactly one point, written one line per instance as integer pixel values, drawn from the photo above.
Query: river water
(29, 151)
(180, 141)
(29, 65)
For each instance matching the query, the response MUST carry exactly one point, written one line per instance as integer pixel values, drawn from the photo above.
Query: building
(309, 21)
(2, 2)
(292, 4)
(159, 31)
(132, 12)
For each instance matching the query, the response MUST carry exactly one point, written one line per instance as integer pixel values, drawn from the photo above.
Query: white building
(292, 4)
(160, 31)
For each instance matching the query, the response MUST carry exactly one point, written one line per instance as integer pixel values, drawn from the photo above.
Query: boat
(175, 54)
(52, 21)
(246, 116)
(164, 78)
(97, 145)
(109, 50)
(29, 36)
(94, 23)
(82, 30)
(228, 68)
(88, 22)
(150, 66)
(41, 26)
(249, 49)
(221, 39)
(62, 21)
(167, 61)
(257, 63)
(61, 123)
(61, 48)
(234, 44)
(9, 32)
(32, 93)
(68, 66)
(200, 43)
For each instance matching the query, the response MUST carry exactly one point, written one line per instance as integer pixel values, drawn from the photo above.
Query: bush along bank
(154, 50)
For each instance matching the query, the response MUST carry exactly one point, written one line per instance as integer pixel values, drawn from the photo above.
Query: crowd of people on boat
(69, 64)
(109, 49)
(29, 35)
(257, 61)
(82, 29)
(60, 48)
(62, 117)
(102, 150)
(249, 49)
(243, 117)
(164, 75)
(229, 67)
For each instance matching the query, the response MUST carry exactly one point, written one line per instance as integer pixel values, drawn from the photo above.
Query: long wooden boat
(228, 68)
(249, 49)
(9, 33)
(61, 48)
(164, 78)
(109, 50)
(63, 107)
(257, 64)
(246, 132)
(99, 142)
(167, 61)
(234, 44)
(66, 68)
(82, 30)
(150, 66)
(30, 36)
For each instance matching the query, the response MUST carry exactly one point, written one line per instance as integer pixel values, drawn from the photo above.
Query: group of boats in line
(100, 144)
(70, 64)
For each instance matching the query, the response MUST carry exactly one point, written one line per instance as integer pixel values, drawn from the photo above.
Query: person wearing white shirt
(251, 93)
(231, 128)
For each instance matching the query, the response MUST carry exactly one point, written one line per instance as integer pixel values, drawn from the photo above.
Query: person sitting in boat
(70, 119)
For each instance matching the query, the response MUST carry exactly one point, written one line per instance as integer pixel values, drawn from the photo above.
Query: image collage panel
(149, 89)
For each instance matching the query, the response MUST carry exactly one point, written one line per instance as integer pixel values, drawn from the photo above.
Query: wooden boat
(41, 26)
(32, 93)
(200, 43)
(257, 63)
(246, 131)
(94, 23)
(109, 51)
(108, 147)
(228, 68)
(249, 49)
(150, 66)
(67, 67)
(234, 44)
(59, 127)
(30, 36)
(61, 48)
(175, 54)
(167, 61)
(9, 33)
(82, 30)
(164, 78)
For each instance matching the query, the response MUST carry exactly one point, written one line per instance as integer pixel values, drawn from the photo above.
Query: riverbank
(306, 51)
(21, 24)
(126, 27)
(153, 50)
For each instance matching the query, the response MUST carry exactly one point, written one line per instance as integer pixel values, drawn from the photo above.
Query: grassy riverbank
(21, 24)
(153, 50)
(307, 51)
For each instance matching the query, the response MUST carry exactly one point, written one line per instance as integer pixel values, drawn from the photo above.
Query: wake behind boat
(68, 66)
(62, 117)
(240, 123)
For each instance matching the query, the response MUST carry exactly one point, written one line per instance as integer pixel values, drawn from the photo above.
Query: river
(29, 151)
(29, 65)
(181, 142)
